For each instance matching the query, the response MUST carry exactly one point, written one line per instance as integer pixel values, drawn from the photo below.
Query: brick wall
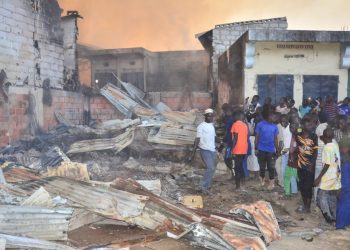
(182, 101)
(31, 42)
(69, 104)
(16, 117)
(102, 110)
(14, 120)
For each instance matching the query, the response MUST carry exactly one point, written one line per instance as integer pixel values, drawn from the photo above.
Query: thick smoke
(172, 24)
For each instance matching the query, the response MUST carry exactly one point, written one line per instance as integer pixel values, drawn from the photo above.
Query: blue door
(320, 86)
(275, 86)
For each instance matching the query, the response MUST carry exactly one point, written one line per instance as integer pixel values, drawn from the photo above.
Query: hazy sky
(172, 24)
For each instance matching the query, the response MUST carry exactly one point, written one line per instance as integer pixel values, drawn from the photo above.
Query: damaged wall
(178, 71)
(24, 113)
(178, 78)
(231, 75)
(70, 36)
(31, 42)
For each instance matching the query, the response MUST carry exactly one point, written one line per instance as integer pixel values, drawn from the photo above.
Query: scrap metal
(18, 242)
(15, 173)
(123, 102)
(36, 222)
(117, 143)
(262, 216)
(172, 134)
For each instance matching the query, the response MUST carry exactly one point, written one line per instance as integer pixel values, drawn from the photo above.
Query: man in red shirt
(240, 138)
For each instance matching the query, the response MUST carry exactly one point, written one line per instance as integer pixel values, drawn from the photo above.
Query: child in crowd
(329, 179)
(291, 173)
(290, 181)
(307, 153)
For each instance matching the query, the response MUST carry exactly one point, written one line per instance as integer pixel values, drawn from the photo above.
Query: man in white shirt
(205, 140)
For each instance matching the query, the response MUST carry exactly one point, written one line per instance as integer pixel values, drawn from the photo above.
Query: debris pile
(49, 187)
(53, 206)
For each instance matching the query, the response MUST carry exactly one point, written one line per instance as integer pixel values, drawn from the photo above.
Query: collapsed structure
(131, 106)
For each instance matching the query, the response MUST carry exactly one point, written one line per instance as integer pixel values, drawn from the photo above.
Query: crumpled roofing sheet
(261, 214)
(172, 134)
(36, 222)
(117, 143)
(18, 242)
(111, 203)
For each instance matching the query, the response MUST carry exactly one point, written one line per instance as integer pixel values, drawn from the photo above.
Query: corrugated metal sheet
(17, 242)
(181, 117)
(123, 102)
(112, 203)
(13, 173)
(36, 222)
(262, 216)
(171, 134)
(129, 201)
(117, 143)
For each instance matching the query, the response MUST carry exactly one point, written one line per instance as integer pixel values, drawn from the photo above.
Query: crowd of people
(305, 150)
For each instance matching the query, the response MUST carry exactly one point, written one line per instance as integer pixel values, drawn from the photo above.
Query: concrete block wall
(226, 35)
(31, 42)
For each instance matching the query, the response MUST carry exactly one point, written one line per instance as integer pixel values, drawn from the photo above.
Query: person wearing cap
(205, 140)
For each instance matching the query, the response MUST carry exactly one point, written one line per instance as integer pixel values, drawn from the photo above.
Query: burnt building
(178, 78)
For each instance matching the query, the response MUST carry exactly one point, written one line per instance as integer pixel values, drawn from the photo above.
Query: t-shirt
(267, 132)
(241, 129)
(206, 135)
(331, 156)
(332, 110)
(344, 110)
(304, 110)
(307, 151)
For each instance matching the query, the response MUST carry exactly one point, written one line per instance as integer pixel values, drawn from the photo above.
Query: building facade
(277, 63)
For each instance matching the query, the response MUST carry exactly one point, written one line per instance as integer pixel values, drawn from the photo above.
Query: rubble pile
(51, 184)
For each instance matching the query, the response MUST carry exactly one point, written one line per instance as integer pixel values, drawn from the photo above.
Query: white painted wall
(323, 59)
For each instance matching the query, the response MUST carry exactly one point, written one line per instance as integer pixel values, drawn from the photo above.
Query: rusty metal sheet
(108, 202)
(69, 169)
(15, 173)
(261, 214)
(36, 222)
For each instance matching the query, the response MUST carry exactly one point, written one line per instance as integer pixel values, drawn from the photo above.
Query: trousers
(289, 177)
(209, 159)
(267, 160)
(239, 171)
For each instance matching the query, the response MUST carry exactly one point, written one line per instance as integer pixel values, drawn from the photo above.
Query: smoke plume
(172, 24)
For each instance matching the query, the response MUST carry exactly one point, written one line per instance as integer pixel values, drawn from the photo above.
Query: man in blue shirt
(266, 146)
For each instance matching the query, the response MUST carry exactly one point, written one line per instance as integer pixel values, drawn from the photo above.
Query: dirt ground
(308, 231)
